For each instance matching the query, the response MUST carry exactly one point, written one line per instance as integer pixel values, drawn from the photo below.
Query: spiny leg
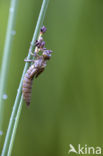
(35, 54)
(28, 60)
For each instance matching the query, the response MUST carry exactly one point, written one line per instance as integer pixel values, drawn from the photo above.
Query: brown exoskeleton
(36, 68)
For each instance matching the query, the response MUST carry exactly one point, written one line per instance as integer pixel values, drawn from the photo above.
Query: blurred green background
(67, 99)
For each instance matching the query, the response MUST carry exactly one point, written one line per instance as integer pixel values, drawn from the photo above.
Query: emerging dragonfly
(37, 67)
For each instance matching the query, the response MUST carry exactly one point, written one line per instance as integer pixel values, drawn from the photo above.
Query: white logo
(72, 149)
(84, 149)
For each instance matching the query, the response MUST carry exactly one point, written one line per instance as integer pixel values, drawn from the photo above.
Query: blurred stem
(6, 54)
(15, 127)
(8, 144)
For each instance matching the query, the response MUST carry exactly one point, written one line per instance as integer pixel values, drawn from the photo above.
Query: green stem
(15, 127)
(14, 122)
(6, 55)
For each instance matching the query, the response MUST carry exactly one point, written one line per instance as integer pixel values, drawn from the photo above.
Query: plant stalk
(6, 55)
(8, 144)
(15, 127)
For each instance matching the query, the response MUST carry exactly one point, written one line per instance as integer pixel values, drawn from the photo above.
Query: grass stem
(15, 127)
(6, 55)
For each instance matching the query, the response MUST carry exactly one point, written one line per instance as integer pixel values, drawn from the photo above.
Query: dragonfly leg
(28, 60)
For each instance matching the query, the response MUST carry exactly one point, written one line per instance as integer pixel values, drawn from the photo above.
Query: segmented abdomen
(27, 84)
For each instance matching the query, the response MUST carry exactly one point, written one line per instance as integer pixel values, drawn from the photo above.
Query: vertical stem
(6, 55)
(13, 122)
(15, 127)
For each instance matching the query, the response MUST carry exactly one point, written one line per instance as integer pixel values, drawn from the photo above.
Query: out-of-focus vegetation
(67, 98)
